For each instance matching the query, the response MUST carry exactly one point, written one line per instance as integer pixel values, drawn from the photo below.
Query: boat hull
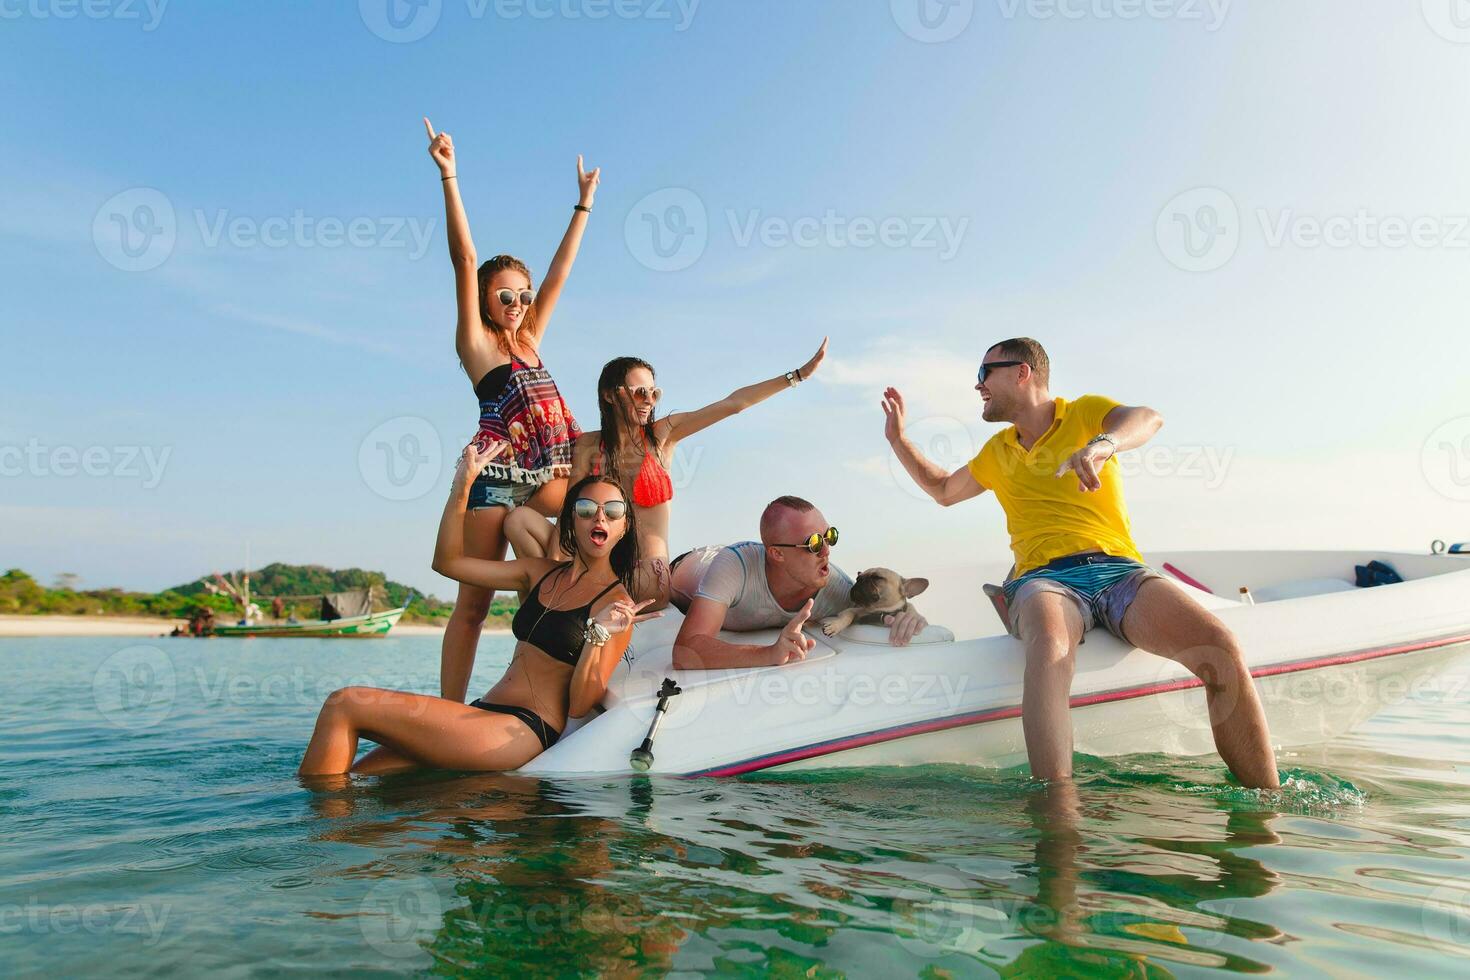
(1323, 663)
(375, 624)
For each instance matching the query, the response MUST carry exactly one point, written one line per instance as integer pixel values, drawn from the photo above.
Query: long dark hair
(624, 555)
(609, 405)
(498, 263)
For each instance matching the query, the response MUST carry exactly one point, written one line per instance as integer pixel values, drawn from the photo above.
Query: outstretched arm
(946, 489)
(1125, 427)
(449, 557)
(566, 253)
(683, 424)
(470, 340)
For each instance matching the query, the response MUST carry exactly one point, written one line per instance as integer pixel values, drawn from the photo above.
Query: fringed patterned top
(521, 405)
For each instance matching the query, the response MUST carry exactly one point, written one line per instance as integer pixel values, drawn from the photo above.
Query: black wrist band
(579, 207)
(450, 177)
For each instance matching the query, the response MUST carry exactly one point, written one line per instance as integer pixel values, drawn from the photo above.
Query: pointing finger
(429, 126)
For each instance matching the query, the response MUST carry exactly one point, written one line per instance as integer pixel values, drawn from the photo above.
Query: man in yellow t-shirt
(1055, 474)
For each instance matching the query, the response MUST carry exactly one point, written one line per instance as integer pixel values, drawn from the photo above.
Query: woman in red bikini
(635, 449)
(502, 321)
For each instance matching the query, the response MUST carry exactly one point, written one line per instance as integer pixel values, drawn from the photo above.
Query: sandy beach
(15, 626)
(86, 626)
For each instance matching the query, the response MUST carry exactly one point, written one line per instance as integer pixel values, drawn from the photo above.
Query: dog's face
(884, 589)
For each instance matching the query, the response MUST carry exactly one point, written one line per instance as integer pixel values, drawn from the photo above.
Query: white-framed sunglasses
(508, 297)
(644, 393)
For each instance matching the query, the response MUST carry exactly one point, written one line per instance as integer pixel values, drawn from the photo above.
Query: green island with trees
(20, 594)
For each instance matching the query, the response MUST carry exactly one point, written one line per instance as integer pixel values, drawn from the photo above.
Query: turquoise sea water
(152, 822)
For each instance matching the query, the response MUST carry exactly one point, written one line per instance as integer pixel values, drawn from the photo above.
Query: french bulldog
(878, 592)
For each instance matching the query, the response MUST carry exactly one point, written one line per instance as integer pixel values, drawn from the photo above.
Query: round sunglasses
(644, 393)
(814, 543)
(508, 297)
(586, 508)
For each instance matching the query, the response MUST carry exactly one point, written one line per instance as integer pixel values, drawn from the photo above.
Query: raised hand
(441, 148)
(1087, 463)
(810, 367)
(622, 614)
(475, 458)
(894, 414)
(587, 183)
(792, 645)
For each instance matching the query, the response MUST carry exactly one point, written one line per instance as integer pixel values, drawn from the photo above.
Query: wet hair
(624, 555)
(787, 502)
(498, 263)
(1028, 352)
(615, 374)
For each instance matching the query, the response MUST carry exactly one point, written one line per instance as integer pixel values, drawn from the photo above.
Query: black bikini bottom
(529, 718)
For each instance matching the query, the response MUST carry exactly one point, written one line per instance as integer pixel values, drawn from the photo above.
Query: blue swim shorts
(1100, 586)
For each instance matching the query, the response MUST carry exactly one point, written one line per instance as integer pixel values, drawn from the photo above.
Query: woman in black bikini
(501, 324)
(571, 632)
(635, 449)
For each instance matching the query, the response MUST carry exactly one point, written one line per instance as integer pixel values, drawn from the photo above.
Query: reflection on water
(190, 845)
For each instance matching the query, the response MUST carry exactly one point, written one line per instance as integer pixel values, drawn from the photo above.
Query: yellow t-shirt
(1047, 515)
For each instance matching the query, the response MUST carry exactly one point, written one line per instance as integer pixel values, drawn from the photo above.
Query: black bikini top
(556, 632)
(494, 382)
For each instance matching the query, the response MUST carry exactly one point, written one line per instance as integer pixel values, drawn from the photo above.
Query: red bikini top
(652, 486)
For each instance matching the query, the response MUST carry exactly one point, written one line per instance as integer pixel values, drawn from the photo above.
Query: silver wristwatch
(1104, 437)
(792, 379)
(596, 634)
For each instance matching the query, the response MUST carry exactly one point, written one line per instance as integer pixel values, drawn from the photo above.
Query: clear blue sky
(1314, 393)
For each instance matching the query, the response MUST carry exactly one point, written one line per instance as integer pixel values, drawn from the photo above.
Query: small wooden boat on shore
(347, 613)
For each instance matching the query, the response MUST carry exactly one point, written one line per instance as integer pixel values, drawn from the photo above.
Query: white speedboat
(1326, 656)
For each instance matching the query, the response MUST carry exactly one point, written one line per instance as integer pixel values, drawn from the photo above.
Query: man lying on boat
(1054, 473)
(778, 582)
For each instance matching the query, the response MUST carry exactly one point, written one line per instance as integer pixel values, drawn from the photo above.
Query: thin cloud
(305, 328)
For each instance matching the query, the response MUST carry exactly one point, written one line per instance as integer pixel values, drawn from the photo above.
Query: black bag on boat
(1376, 573)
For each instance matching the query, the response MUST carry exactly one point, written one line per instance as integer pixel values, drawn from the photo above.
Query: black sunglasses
(814, 543)
(986, 368)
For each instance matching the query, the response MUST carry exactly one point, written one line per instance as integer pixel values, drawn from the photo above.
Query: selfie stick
(642, 757)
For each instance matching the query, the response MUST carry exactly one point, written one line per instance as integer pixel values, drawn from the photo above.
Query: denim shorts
(489, 491)
(1100, 587)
